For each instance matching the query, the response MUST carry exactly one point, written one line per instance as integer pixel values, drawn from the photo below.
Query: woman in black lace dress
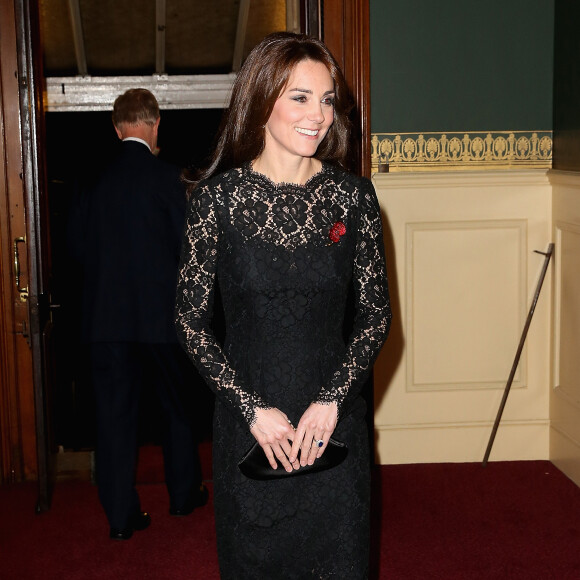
(285, 232)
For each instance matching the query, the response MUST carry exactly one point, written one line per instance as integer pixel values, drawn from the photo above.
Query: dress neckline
(285, 184)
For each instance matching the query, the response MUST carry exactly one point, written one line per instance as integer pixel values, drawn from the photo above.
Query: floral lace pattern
(285, 270)
(290, 217)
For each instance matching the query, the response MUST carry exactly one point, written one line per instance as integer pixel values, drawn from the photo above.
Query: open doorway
(78, 145)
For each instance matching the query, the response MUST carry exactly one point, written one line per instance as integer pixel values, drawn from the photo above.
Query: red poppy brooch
(337, 230)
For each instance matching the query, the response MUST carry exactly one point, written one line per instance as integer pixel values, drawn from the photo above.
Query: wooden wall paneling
(345, 26)
(7, 345)
(17, 424)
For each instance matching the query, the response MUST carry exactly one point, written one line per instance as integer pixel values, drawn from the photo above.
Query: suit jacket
(125, 231)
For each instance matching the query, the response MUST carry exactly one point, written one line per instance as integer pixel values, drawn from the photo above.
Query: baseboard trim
(75, 465)
(461, 442)
(565, 453)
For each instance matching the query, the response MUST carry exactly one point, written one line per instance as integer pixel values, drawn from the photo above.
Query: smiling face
(303, 112)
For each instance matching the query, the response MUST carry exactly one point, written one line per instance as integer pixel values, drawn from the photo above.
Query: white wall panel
(466, 292)
(462, 272)
(565, 396)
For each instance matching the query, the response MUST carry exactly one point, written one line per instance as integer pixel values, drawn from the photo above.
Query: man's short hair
(135, 106)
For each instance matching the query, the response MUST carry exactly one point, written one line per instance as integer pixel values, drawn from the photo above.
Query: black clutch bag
(255, 465)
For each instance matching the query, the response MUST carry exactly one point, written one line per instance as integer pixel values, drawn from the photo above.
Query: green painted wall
(461, 65)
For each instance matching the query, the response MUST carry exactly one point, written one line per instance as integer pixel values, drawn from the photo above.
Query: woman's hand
(317, 424)
(274, 432)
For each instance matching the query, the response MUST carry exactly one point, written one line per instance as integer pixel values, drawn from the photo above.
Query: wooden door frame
(37, 239)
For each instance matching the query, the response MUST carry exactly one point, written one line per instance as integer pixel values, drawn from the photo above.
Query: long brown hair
(261, 80)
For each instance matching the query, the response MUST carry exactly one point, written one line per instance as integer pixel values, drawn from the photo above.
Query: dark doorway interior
(77, 146)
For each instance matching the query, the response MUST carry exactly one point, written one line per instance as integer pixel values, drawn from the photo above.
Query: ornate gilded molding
(456, 151)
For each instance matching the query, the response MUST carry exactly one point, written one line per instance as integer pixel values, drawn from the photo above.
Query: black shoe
(138, 522)
(196, 499)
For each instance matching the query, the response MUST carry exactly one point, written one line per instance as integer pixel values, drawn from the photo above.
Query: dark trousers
(119, 370)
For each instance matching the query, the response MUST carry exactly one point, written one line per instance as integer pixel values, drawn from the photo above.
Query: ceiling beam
(160, 21)
(243, 13)
(74, 94)
(78, 36)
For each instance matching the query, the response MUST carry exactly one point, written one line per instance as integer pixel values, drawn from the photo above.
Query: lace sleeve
(194, 307)
(373, 310)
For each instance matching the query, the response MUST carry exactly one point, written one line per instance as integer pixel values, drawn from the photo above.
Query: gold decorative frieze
(453, 151)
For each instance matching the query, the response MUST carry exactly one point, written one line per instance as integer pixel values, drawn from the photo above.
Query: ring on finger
(318, 442)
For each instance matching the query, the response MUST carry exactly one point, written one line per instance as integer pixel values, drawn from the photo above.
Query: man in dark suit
(126, 233)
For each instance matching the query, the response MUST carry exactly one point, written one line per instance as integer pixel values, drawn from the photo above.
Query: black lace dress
(284, 280)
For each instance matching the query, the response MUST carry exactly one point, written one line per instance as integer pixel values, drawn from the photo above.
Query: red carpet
(512, 520)
(509, 520)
